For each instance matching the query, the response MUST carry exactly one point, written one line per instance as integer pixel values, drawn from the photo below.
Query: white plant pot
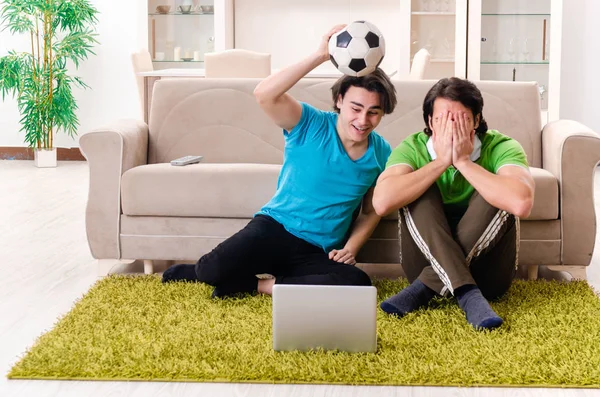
(44, 158)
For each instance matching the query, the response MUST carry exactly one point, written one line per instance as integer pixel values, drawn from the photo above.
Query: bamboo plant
(61, 34)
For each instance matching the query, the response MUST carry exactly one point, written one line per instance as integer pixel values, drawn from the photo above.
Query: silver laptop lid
(323, 316)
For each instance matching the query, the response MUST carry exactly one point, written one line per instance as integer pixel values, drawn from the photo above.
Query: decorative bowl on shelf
(185, 9)
(186, 59)
(164, 9)
(207, 9)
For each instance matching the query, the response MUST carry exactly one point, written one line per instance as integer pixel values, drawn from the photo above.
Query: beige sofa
(141, 207)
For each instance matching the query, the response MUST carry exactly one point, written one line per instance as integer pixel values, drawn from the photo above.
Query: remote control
(186, 160)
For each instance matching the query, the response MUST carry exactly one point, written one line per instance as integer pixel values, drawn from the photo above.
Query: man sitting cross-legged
(460, 189)
(306, 234)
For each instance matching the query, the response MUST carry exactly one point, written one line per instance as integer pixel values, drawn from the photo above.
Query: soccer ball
(357, 49)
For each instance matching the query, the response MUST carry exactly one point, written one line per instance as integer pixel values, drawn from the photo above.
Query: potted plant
(61, 34)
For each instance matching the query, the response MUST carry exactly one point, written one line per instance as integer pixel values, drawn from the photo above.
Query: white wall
(580, 67)
(292, 29)
(122, 30)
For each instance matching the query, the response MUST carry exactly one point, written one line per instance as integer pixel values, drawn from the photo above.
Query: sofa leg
(532, 272)
(104, 266)
(576, 272)
(148, 266)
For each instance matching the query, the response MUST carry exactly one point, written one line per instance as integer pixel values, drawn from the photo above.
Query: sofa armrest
(110, 151)
(571, 152)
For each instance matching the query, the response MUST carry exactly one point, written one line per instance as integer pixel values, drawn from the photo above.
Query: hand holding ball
(358, 49)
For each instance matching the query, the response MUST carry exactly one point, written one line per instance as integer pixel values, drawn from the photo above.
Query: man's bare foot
(266, 286)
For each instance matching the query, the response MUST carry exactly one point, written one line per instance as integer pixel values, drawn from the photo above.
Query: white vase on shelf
(525, 50)
(210, 44)
(510, 49)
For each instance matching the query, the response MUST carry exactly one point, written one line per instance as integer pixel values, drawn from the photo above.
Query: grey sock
(479, 312)
(409, 299)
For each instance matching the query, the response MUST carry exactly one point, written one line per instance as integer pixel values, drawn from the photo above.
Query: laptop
(330, 317)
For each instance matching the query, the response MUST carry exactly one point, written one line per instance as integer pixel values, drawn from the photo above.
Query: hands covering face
(453, 135)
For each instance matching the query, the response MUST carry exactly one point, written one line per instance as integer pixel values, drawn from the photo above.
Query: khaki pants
(483, 250)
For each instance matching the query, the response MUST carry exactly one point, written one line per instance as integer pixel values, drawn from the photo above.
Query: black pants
(264, 246)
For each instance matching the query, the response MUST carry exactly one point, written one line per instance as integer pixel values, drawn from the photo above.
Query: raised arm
(271, 93)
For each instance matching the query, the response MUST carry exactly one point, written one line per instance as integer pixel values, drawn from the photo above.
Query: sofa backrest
(221, 120)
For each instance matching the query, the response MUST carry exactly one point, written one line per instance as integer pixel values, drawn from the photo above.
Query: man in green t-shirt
(461, 189)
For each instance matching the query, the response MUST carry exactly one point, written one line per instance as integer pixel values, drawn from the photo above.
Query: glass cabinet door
(180, 32)
(511, 42)
(439, 26)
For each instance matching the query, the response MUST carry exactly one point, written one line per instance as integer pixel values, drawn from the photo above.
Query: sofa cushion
(545, 203)
(240, 190)
(199, 190)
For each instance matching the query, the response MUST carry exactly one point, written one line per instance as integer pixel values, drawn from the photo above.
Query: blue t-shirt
(320, 186)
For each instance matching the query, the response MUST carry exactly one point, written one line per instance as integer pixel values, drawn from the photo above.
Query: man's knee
(209, 272)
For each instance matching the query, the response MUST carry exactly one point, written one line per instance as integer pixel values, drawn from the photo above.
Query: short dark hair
(459, 90)
(376, 81)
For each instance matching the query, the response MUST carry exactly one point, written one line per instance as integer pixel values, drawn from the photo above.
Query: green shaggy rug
(135, 328)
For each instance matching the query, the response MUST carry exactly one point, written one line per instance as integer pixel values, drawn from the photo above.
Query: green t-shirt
(497, 150)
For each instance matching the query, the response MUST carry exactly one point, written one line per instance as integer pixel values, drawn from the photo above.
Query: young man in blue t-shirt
(305, 234)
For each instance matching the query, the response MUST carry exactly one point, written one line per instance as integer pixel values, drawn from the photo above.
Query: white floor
(45, 265)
